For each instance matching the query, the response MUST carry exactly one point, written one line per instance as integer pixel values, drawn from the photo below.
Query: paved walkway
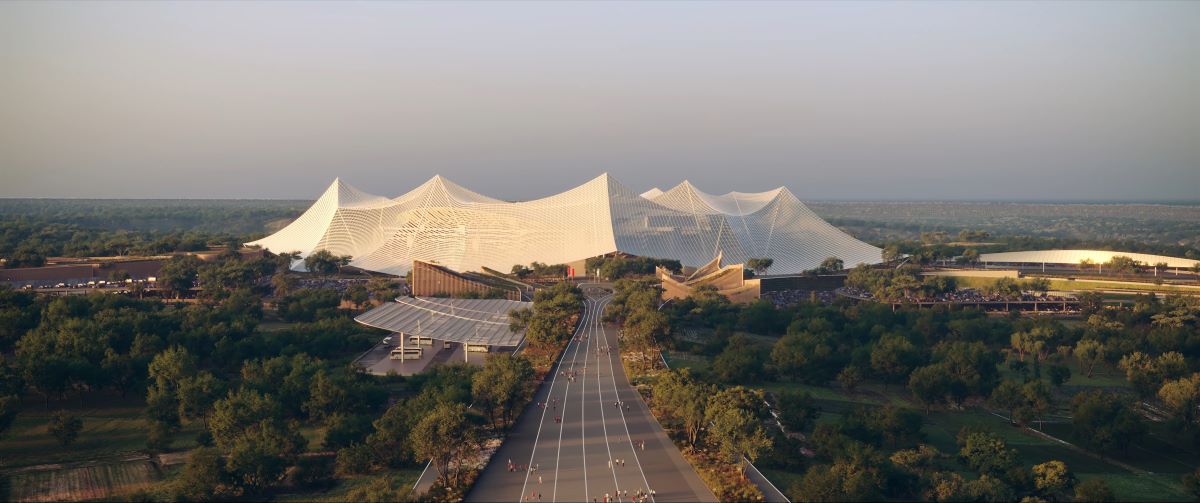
(582, 446)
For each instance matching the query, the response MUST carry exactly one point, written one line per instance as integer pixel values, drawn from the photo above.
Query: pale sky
(853, 100)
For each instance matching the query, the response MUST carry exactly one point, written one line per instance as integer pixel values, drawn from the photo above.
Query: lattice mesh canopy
(445, 223)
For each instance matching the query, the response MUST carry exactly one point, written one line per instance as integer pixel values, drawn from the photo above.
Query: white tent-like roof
(444, 223)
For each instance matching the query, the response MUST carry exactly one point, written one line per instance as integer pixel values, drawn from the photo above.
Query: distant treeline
(1168, 228)
(166, 215)
(33, 229)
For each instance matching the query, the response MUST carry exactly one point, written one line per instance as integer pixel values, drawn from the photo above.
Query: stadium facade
(444, 223)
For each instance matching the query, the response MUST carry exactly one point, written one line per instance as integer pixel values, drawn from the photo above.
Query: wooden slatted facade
(432, 280)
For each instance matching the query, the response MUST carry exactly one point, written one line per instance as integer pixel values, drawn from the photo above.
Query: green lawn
(339, 492)
(782, 480)
(679, 359)
(108, 431)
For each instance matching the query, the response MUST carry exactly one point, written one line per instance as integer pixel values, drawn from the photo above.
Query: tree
(831, 265)
(1052, 478)
(238, 412)
(344, 429)
(203, 478)
(891, 253)
(447, 439)
(1105, 422)
(798, 410)
(929, 385)
(171, 366)
(179, 274)
(893, 358)
(167, 371)
(844, 480)
(1033, 342)
(1094, 491)
(736, 433)
(760, 265)
(358, 295)
(1090, 303)
(1036, 401)
(969, 256)
(1007, 288)
(1182, 398)
(354, 459)
(1059, 374)
(644, 327)
(260, 455)
(501, 384)
(196, 395)
(1089, 352)
(985, 452)
(1008, 396)
(284, 260)
(850, 377)
(684, 401)
(65, 427)
(740, 362)
(807, 356)
(1147, 373)
(1121, 264)
(325, 263)
(383, 289)
(389, 442)
(971, 367)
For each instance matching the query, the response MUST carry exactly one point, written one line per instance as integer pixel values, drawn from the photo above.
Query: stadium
(443, 223)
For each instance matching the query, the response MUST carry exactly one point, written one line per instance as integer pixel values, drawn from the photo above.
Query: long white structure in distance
(444, 223)
(1074, 257)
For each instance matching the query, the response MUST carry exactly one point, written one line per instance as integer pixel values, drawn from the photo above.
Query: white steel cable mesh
(447, 224)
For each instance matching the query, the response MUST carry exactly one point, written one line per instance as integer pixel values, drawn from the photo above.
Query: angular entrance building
(443, 223)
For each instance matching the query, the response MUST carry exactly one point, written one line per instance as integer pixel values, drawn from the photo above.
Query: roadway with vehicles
(588, 436)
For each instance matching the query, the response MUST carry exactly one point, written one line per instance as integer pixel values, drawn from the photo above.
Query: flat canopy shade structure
(466, 321)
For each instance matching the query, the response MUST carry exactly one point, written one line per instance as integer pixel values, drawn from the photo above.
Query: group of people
(513, 467)
(570, 374)
(639, 496)
(615, 462)
(784, 298)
